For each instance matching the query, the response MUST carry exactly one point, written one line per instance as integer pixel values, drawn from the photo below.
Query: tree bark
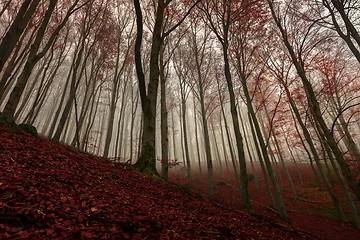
(147, 159)
(16, 29)
(33, 58)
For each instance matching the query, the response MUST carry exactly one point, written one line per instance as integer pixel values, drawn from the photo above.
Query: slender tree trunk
(239, 140)
(164, 121)
(72, 94)
(224, 149)
(261, 161)
(315, 109)
(134, 107)
(232, 153)
(292, 156)
(282, 160)
(113, 102)
(279, 200)
(80, 120)
(118, 143)
(196, 137)
(217, 149)
(211, 184)
(185, 137)
(248, 150)
(316, 156)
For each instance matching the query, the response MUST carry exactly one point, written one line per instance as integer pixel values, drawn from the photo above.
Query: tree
(200, 43)
(314, 106)
(181, 66)
(81, 54)
(221, 17)
(35, 56)
(16, 29)
(124, 43)
(148, 96)
(346, 11)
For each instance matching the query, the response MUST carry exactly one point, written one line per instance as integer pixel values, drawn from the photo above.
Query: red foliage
(51, 192)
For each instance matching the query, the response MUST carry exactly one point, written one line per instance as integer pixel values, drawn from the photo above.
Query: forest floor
(48, 191)
(312, 211)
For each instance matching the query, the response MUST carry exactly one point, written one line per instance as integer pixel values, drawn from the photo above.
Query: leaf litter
(48, 191)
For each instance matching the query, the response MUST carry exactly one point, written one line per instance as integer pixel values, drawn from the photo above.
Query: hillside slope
(50, 192)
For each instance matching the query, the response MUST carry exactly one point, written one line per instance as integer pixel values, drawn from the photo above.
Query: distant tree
(202, 60)
(87, 26)
(181, 67)
(221, 17)
(124, 42)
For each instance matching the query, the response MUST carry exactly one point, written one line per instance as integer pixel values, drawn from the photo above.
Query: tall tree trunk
(134, 107)
(282, 160)
(16, 29)
(185, 137)
(211, 183)
(261, 161)
(314, 153)
(217, 149)
(147, 159)
(279, 199)
(32, 60)
(224, 148)
(315, 108)
(239, 140)
(196, 136)
(164, 121)
(248, 150)
(80, 120)
(113, 102)
(72, 94)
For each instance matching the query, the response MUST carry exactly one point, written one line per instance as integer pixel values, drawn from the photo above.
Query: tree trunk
(185, 137)
(134, 106)
(261, 161)
(224, 148)
(279, 200)
(147, 159)
(72, 94)
(113, 102)
(315, 109)
(309, 140)
(16, 29)
(196, 137)
(33, 59)
(164, 121)
(217, 149)
(239, 141)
